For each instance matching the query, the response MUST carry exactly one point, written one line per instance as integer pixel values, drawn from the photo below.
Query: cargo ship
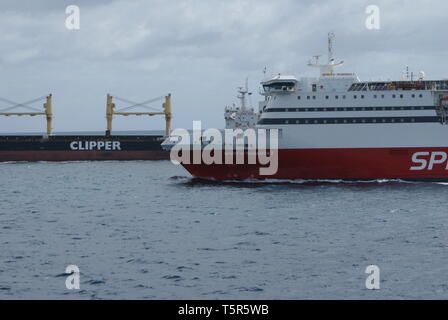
(87, 146)
(337, 127)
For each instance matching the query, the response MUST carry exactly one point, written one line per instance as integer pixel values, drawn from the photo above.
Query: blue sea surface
(147, 230)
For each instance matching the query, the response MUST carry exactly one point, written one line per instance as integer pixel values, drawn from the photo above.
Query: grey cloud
(198, 50)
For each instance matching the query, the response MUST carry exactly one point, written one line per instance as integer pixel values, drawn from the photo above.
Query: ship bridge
(280, 84)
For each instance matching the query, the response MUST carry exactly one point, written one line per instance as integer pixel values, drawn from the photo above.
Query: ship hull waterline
(47, 155)
(338, 164)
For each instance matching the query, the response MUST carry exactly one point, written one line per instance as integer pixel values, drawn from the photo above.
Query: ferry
(337, 127)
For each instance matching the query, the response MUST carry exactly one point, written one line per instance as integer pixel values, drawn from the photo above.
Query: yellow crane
(166, 106)
(48, 110)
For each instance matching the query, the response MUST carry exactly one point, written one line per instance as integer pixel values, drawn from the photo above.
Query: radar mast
(326, 69)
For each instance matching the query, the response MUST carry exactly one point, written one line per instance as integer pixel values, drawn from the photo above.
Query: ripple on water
(234, 240)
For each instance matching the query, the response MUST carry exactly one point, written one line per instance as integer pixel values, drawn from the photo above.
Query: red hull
(331, 164)
(49, 155)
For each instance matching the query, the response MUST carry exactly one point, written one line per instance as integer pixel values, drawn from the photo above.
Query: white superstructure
(337, 110)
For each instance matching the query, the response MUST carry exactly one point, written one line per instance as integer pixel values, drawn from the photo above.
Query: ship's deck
(400, 85)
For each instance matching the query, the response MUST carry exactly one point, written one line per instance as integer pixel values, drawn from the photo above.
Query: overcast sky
(200, 51)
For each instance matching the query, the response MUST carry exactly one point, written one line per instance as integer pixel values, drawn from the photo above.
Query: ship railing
(434, 85)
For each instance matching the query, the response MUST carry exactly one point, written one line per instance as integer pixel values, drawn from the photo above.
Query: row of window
(349, 109)
(350, 120)
(375, 96)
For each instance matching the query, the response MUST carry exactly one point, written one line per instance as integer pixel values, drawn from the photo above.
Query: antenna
(331, 36)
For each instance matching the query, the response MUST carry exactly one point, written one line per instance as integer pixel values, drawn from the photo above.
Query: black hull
(81, 148)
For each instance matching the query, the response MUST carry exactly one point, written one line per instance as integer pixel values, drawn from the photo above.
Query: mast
(330, 46)
(326, 69)
(242, 95)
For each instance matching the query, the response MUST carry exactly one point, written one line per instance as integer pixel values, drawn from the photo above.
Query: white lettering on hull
(95, 145)
(429, 160)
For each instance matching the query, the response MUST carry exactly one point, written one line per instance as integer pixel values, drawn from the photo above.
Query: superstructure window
(298, 97)
(354, 97)
(382, 96)
(393, 96)
(401, 96)
(314, 97)
(420, 96)
(362, 96)
(336, 97)
(413, 95)
(308, 97)
(326, 97)
(326, 109)
(374, 96)
(343, 97)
